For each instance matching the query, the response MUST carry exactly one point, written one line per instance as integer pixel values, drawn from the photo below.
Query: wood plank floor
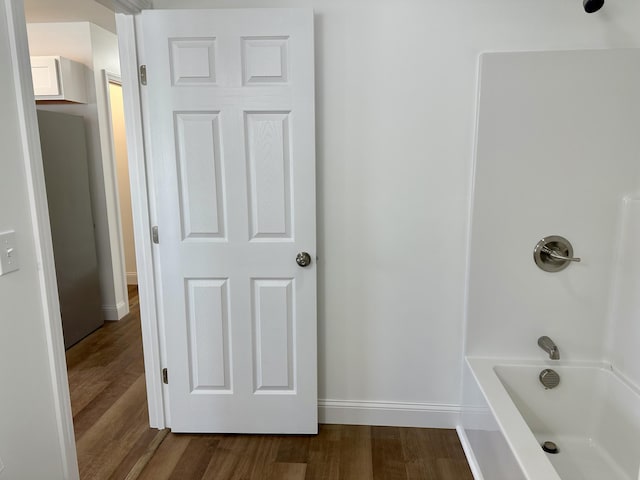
(108, 398)
(337, 452)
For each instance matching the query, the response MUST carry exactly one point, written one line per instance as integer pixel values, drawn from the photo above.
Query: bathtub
(593, 416)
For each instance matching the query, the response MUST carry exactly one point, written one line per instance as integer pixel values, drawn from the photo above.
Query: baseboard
(426, 415)
(115, 312)
(468, 452)
(132, 278)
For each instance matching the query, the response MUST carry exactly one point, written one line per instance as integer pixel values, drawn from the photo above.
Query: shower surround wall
(558, 151)
(623, 336)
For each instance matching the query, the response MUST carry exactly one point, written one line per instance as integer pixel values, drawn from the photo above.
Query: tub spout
(550, 347)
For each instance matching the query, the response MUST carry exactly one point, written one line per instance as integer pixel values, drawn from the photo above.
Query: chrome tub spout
(550, 347)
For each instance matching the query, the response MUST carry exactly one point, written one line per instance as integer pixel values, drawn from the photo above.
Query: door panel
(267, 135)
(264, 60)
(208, 327)
(231, 121)
(200, 174)
(273, 326)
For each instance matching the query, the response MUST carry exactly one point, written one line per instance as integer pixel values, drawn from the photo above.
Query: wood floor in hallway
(108, 398)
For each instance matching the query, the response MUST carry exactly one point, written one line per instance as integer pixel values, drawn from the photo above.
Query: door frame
(112, 186)
(39, 212)
(142, 206)
(131, 50)
(34, 175)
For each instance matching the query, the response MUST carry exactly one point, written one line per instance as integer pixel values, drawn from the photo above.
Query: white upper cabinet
(58, 78)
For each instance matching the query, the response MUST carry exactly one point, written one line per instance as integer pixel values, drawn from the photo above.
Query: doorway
(121, 164)
(105, 369)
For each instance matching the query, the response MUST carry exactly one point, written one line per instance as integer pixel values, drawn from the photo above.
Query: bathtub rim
(521, 440)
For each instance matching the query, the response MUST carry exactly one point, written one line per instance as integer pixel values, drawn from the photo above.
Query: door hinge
(143, 74)
(165, 376)
(154, 235)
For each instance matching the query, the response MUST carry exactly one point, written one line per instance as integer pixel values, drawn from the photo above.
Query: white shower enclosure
(557, 153)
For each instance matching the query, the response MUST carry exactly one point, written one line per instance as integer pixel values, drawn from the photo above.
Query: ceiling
(47, 11)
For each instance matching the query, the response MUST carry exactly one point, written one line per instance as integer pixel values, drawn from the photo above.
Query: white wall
(558, 150)
(396, 87)
(99, 12)
(97, 49)
(30, 437)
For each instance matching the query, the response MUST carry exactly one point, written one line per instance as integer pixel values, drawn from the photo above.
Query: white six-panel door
(231, 119)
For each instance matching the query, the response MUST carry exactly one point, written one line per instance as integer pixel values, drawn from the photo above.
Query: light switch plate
(9, 261)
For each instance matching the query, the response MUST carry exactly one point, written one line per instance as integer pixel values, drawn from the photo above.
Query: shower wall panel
(557, 153)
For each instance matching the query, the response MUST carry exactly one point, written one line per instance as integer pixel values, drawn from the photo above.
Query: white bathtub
(593, 416)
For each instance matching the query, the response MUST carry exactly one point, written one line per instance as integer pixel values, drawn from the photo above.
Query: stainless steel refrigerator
(64, 154)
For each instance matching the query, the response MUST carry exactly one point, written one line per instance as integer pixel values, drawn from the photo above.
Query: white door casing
(232, 148)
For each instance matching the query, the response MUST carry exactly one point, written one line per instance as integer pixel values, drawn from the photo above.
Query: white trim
(122, 309)
(140, 207)
(112, 200)
(21, 68)
(115, 312)
(399, 414)
(117, 254)
(468, 452)
(131, 7)
(131, 278)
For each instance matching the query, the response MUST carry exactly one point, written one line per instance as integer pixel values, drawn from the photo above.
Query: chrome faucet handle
(557, 256)
(554, 253)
